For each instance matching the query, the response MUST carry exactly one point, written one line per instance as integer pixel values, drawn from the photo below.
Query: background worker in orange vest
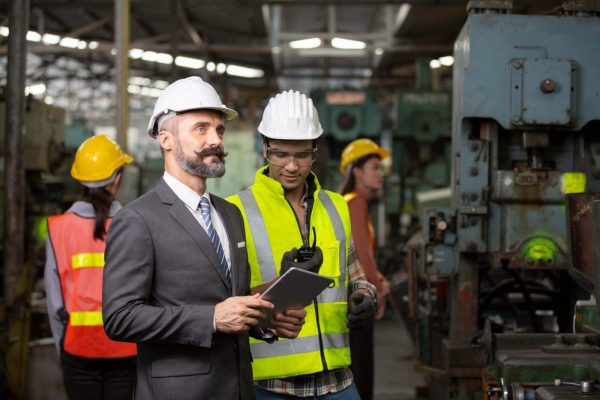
(361, 165)
(94, 367)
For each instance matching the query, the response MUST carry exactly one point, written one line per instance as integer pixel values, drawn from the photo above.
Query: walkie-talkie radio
(305, 252)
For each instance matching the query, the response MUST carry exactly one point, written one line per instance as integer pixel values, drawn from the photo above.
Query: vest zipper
(321, 350)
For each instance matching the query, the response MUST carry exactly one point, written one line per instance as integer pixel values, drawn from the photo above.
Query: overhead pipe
(122, 29)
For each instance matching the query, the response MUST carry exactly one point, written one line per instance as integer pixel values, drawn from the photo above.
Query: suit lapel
(217, 203)
(180, 213)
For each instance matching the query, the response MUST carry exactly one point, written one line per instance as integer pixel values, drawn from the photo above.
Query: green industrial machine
(500, 281)
(345, 115)
(421, 151)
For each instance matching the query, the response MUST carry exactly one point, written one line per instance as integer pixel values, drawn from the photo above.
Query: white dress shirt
(192, 201)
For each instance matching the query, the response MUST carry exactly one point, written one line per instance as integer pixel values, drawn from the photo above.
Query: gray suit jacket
(162, 280)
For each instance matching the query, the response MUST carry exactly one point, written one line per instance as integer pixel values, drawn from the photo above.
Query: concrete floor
(395, 375)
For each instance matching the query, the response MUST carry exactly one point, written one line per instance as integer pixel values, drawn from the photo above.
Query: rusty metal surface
(582, 228)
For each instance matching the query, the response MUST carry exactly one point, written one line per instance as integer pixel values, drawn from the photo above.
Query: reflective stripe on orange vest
(88, 260)
(86, 318)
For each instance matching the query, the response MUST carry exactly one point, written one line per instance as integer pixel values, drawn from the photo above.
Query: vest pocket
(331, 259)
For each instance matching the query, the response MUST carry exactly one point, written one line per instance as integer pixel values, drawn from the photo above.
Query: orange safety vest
(80, 262)
(349, 197)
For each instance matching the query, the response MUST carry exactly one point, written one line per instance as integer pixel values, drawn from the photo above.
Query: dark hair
(350, 181)
(101, 200)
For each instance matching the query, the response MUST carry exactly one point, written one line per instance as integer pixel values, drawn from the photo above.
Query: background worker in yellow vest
(285, 212)
(361, 166)
(94, 367)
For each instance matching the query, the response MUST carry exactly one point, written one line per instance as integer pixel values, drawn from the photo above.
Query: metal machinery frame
(494, 284)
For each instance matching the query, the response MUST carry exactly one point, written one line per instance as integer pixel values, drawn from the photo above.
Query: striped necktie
(214, 238)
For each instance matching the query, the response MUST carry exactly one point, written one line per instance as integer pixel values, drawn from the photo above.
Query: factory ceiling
(355, 43)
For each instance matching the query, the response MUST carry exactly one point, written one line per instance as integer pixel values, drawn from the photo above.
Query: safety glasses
(281, 158)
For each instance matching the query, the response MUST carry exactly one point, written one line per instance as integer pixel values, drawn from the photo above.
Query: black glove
(290, 259)
(363, 310)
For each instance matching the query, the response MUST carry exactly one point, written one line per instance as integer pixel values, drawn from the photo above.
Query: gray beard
(196, 167)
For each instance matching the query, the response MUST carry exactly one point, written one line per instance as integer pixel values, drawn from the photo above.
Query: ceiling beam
(187, 26)
(92, 26)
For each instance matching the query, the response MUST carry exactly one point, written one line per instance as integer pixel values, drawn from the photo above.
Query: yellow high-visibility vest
(271, 230)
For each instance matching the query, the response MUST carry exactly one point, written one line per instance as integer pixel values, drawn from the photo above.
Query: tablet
(295, 289)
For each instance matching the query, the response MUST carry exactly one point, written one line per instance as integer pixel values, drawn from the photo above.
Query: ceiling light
(152, 92)
(331, 52)
(94, 45)
(446, 60)
(402, 14)
(3, 31)
(133, 53)
(134, 89)
(49, 100)
(244, 72)
(69, 42)
(49, 38)
(34, 36)
(221, 68)
(309, 43)
(149, 56)
(378, 51)
(36, 89)
(82, 45)
(164, 58)
(161, 84)
(347, 44)
(189, 62)
(140, 81)
(210, 66)
(434, 64)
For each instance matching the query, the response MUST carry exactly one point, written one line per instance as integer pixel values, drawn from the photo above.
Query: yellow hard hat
(97, 161)
(359, 148)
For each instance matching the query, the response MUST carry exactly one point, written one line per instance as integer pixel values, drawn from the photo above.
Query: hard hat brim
(229, 114)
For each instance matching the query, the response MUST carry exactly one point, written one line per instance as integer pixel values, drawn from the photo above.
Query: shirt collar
(184, 192)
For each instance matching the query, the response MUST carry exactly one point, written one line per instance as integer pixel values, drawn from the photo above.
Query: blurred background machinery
(493, 288)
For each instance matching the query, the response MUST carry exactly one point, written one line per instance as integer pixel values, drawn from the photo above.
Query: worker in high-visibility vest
(291, 221)
(361, 166)
(94, 367)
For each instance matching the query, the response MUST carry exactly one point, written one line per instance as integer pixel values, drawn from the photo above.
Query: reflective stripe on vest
(259, 234)
(85, 318)
(301, 345)
(88, 260)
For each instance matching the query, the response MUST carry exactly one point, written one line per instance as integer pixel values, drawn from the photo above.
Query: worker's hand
(238, 314)
(362, 309)
(289, 260)
(288, 324)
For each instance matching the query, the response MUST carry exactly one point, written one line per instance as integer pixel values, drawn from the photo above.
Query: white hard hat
(290, 116)
(186, 95)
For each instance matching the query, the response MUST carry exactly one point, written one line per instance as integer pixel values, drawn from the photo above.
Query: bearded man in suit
(176, 278)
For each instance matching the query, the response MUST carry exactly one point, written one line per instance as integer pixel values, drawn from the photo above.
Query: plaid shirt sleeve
(356, 276)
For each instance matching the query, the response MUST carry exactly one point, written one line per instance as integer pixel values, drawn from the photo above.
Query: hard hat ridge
(290, 115)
